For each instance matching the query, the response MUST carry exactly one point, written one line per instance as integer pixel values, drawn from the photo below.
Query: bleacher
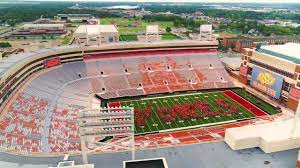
(59, 93)
(158, 74)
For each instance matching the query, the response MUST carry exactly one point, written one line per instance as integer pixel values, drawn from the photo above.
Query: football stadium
(66, 100)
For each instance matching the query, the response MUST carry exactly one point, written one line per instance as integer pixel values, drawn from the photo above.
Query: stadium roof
(288, 51)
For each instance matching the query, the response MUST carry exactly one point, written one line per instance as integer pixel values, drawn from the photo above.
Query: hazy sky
(259, 1)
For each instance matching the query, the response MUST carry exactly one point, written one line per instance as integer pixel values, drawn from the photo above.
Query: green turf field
(257, 101)
(170, 37)
(155, 124)
(125, 28)
(130, 37)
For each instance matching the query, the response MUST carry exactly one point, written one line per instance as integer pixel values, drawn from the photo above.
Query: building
(274, 70)
(41, 29)
(238, 43)
(90, 34)
(81, 18)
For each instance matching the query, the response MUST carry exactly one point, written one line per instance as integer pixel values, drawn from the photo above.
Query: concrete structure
(41, 29)
(279, 62)
(270, 137)
(91, 34)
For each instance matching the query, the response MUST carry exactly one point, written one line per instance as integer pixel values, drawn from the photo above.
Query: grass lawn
(66, 40)
(170, 37)
(124, 25)
(155, 124)
(129, 37)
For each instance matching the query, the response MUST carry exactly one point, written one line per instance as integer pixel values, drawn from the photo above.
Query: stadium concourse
(40, 116)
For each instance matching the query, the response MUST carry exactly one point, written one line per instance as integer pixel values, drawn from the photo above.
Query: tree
(5, 44)
(168, 29)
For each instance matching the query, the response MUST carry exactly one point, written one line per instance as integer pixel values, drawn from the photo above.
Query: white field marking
(170, 105)
(147, 121)
(209, 101)
(197, 126)
(155, 112)
(237, 104)
(184, 102)
(180, 95)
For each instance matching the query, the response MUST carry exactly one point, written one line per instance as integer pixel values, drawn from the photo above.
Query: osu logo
(266, 79)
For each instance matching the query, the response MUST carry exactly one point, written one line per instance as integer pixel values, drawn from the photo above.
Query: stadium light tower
(87, 36)
(109, 129)
(205, 30)
(152, 30)
(99, 37)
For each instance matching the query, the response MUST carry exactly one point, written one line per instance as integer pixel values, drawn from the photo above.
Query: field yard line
(163, 106)
(158, 117)
(147, 121)
(224, 111)
(176, 114)
(187, 120)
(226, 97)
(191, 102)
(211, 105)
(201, 118)
(197, 126)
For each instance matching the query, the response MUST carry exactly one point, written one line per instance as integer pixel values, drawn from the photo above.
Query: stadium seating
(59, 93)
(160, 73)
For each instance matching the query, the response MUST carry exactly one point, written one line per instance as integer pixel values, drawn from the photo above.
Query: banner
(266, 82)
(243, 70)
(51, 62)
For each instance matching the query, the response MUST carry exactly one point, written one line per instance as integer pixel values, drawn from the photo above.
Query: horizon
(170, 1)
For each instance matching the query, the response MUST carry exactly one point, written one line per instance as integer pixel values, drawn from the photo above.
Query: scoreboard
(52, 62)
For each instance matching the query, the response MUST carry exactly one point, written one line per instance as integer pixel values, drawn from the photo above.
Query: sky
(246, 1)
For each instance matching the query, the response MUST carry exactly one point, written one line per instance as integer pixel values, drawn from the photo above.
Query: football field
(155, 124)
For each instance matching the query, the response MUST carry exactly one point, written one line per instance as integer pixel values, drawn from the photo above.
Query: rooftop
(207, 155)
(94, 29)
(29, 25)
(288, 51)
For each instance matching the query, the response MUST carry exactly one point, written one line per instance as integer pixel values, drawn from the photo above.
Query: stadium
(180, 92)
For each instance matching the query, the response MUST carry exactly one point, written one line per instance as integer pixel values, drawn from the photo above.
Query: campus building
(238, 43)
(91, 34)
(80, 18)
(41, 29)
(273, 70)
